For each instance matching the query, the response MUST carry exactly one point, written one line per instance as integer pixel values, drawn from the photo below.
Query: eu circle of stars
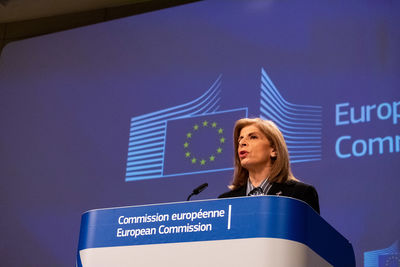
(191, 156)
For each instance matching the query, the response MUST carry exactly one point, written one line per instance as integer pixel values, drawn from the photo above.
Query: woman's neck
(258, 176)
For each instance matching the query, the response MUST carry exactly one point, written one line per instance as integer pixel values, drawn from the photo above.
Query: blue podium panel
(265, 230)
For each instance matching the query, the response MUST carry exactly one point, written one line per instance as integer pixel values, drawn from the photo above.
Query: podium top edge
(198, 201)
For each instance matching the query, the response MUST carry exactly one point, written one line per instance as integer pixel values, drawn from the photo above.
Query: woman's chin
(245, 163)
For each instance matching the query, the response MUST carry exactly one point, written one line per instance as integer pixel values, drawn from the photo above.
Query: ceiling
(20, 10)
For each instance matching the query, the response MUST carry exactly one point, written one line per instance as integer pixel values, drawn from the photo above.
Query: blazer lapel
(281, 189)
(276, 189)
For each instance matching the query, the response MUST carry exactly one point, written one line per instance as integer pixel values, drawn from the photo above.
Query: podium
(246, 231)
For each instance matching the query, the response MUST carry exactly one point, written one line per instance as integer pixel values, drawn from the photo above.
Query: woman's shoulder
(302, 191)
(237, 192)
(298, 184)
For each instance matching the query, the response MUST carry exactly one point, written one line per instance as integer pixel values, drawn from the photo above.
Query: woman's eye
(253, 137)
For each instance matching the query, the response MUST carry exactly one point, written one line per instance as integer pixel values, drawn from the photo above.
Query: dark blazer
(294, 189)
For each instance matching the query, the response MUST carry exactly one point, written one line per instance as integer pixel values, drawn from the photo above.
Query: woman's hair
(280, 169)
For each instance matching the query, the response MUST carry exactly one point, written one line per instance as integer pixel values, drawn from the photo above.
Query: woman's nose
(242, 143)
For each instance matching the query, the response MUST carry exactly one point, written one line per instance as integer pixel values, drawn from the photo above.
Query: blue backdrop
(105, 116)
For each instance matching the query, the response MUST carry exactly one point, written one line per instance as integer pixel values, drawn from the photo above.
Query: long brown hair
(280, 169)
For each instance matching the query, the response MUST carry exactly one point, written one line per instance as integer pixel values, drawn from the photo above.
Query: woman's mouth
(243, 154)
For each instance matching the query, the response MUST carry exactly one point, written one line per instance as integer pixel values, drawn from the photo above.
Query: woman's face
(254, 149)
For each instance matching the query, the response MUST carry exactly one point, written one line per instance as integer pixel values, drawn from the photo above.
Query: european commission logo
(387, 257)
(191, 138)
(196, 137)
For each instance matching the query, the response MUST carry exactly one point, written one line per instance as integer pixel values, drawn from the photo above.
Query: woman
(262, 164)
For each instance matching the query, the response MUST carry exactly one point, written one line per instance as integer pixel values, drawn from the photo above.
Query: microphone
(197, 190)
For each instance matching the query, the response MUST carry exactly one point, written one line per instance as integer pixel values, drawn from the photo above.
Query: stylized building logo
(196, 137)
(301, 125)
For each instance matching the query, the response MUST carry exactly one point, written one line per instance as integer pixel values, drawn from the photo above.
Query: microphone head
(200, 188)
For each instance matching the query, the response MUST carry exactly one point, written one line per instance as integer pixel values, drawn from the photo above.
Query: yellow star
(212, 158)
(214, 125)
(222, 140)
(196, 127)
(187, 154)
(205, 123)
(186, 144)
(189, 135)
(219, 150)
(220, 130)
(194, 160)
(202, 162)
